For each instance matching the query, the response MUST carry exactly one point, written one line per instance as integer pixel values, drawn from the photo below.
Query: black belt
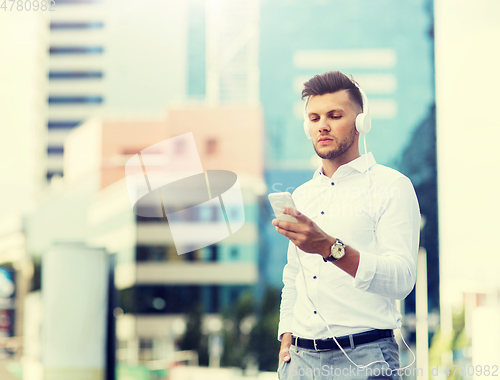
(345, 341)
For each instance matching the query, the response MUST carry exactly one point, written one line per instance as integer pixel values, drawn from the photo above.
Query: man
(352, 253)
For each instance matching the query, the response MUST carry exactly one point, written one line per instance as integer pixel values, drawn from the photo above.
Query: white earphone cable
(331, 334)
(317, 311)
(326, 324)
(364, 130)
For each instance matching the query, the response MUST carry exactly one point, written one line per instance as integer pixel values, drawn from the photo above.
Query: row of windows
(173, 299)
(64, 75)
(196, 214)
(76, 25)
(55, 150)
(91, 99)
(51, 174)
(76, 50)
(75, 75)
(144, 253)
(68, 124)
(169, 253)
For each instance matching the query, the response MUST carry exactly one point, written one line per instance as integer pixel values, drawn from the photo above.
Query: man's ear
(356, 130)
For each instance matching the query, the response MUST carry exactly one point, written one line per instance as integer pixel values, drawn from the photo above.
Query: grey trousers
(332, 364)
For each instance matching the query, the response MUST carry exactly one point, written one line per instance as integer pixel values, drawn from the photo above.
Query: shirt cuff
(366, 271)
(283, 328)
(280, 336)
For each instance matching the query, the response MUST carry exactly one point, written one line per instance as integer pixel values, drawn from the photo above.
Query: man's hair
(332, 81)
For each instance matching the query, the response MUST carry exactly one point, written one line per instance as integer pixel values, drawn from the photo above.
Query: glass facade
(392, 60)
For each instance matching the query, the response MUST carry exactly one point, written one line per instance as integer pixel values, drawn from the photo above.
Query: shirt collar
(358, 164)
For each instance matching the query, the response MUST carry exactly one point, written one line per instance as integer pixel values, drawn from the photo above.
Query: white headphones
(363, 120)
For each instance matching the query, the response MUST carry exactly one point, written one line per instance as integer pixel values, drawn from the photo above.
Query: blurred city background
(90, 290)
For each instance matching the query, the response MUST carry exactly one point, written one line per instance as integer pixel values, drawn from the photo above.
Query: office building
(157, 286)
(75, 72)
(138, 58)
(23, 112)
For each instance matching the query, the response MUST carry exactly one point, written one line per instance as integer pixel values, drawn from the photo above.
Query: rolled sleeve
(367, 268)
(391, 271)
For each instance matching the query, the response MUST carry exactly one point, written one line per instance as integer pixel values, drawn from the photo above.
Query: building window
(52, 174)
(75, 75)
(211, 147)
(69, 124)
(190, 256)
(213, 252)
(234, 212)
(155, 214)
(151, 253)
(75, 99)
(191, 214)
(215, 213)
(145, 349)
(234, 252)
(179, 148)
(76, 50)
(77, 25)
(55, 150)
(215, 299)
(176, 299)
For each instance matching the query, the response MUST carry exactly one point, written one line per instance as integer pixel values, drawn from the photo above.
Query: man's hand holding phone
(304, 233)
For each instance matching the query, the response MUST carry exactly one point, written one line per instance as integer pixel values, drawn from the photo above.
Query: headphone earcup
(306, 129)
(363, 123)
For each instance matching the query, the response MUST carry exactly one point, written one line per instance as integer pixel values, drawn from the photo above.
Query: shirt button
(314, 278)
(315, 312)
(322, 212)
(333, 183)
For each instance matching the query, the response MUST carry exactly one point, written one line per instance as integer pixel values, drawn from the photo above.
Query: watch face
(338, 251)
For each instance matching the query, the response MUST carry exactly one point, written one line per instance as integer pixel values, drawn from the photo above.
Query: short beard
(343, 147)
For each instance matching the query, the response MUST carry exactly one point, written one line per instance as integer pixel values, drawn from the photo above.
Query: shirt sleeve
(391, 271)
(289, 292)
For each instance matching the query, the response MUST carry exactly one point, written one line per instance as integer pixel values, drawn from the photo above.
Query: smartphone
(278, 202)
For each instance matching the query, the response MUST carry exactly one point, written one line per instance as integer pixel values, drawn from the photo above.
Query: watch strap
(330, 257)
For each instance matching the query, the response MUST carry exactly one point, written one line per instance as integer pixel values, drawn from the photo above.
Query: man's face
(332, 120)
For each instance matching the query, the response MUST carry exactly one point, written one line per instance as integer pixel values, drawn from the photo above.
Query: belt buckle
(315, 346)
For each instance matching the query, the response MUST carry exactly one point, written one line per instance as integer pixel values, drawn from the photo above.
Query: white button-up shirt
(376, 213)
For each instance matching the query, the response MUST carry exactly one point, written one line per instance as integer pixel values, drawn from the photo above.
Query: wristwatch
(337, 251)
